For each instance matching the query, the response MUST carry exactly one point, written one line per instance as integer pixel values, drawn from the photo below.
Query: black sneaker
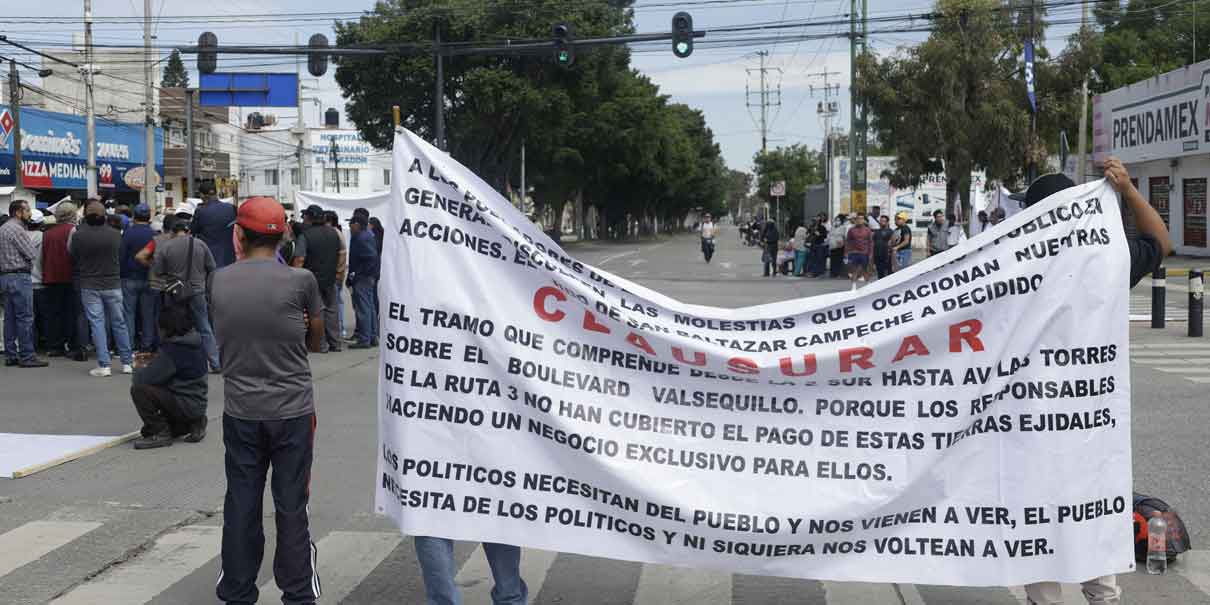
(162, 439)
(11, 363)
(197, 431)
(34, 363)
(80, 355)
(57, 353)
(361, 345)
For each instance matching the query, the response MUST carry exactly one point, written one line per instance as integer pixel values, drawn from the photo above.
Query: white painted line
(1198, 361)
(861, 592)
(666, 585)
(1184, 370)
(173, 556)
(30, 542)
(345, 559)
(1170, 345)
(911, 596)
(1201, 380)
(616, 256)
(636, 262)
(475, 577)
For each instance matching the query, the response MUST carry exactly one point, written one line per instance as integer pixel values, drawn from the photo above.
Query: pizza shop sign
(54, 151)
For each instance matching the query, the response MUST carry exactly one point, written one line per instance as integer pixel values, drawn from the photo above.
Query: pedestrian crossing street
(1187, 360)
(179, 565)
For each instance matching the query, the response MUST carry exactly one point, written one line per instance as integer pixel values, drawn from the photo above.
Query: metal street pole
(1081, 164)
(300, 127)
(188, 142)
(439, 97)
(14, 102)
(89, 103)
(764, 103)
(335, 160)
(521, 204)
(149, 174)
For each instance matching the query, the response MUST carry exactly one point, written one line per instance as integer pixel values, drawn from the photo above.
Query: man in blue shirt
(363, 281)
(213, 224)
(138, 299)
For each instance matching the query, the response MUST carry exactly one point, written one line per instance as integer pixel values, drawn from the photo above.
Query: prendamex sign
(1163, 117)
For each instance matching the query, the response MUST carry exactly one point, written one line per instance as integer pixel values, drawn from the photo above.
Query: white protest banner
(964, 422)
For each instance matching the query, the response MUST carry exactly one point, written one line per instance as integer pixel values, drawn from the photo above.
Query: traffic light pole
(439, 95)
(14, 103)
(857, 112)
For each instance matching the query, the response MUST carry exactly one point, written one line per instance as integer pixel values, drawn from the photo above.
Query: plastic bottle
(1157, 545)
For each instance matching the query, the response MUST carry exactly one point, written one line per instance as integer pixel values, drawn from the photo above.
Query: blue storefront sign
(54, 152)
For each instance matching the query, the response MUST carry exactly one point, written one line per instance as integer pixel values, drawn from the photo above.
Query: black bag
(1177, 540)
(177, 291)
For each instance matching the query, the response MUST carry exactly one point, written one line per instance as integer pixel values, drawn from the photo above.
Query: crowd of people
(862, 247)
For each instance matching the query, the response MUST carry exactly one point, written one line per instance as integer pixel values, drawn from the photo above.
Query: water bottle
(1157, 544)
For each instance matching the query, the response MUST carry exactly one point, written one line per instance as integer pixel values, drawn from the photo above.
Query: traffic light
(317, 59)
(682, 34)
(565, 54)
(207, 60)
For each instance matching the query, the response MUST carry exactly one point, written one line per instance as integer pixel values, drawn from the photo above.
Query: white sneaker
(100, 372)
(127, 368)
(853, 288)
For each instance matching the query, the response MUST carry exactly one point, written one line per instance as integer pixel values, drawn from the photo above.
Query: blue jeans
(139, 302)
(904, 258)
(800, 259)
(18, 293)
(437, 566)
(340, 307)
(363, 307)
(100, 305)
(201, 322)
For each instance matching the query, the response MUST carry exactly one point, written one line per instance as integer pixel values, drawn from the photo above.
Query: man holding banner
(1147, 251)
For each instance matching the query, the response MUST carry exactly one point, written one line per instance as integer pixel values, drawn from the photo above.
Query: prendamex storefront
(1160, 128)
(55, 155)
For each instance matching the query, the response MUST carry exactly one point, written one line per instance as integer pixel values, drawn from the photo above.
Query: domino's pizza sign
(54, 151)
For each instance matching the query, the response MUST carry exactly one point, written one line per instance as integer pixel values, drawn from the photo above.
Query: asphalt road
(122, 526)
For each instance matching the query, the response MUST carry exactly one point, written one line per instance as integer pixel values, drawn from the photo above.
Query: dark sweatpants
(159, 409)
(252, 446)
(331, 319)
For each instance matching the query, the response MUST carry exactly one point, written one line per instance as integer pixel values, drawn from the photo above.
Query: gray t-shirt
(170, 262)
(258, 308)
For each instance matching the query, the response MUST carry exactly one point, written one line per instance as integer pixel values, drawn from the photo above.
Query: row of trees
(958, 101)
(599, 132)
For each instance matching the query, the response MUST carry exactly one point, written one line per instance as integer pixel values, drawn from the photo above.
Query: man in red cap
(267, 316)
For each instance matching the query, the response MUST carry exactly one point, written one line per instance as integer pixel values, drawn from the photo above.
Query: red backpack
(1178, 537)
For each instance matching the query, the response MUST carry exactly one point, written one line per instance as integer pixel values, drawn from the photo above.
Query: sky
(714, 80)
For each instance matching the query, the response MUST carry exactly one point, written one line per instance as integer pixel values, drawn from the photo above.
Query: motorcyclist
(708, 231)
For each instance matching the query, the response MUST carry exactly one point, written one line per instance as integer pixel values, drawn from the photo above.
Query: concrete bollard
(1159, 289)
(1197, 291)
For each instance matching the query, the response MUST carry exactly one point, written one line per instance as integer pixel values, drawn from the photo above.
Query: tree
(798, 166)
(739, 188)
(1145, 38)
(175, 75)
(955, 102)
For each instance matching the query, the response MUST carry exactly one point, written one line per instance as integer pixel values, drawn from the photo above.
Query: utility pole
(522, 203)
(1031, 169)
(89, 104)
(439, 97)
(764, 95)
(335, 160)
(827, 110)
(857, 108)
(1081, 164)
(300, 129)
(149, 174)
(188, 142)
(14, 103)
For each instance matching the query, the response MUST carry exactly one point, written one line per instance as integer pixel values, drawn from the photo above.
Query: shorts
(858, 260)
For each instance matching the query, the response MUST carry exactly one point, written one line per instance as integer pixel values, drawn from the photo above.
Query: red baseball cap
(262, 215)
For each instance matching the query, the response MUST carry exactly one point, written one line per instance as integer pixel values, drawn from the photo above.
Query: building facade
(215, 147)
(270, 163)
(1160, 128)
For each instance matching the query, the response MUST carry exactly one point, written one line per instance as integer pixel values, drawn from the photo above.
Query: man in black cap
(1147, 250)
(321, 250)
(363, 280)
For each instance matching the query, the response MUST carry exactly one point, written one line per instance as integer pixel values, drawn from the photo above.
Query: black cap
(313, 211)
(1046, 186)
(358, 220)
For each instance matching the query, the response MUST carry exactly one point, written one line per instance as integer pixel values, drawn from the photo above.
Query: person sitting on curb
(170, 391)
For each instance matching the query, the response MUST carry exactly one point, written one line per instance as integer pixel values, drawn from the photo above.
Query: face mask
(95, 220)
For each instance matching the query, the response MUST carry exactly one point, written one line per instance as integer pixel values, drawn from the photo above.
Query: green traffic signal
(682, 48)
(564, 57)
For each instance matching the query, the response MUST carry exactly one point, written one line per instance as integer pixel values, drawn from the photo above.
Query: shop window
(349, 177)
(1194, 191)
(1157, 193)
(330, 178)
(271, 177)
(386, 176)
(294, 176)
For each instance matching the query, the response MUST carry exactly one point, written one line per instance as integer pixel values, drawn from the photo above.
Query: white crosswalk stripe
(173, 556)
(35, 539)
(1189, 360)
(349, 558)
(345, 559)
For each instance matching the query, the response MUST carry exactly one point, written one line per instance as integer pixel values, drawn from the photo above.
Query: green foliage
(739, 188)
(956, 100)
(798, 166)
(1145, 38)
(175, 75)
(596, 130)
